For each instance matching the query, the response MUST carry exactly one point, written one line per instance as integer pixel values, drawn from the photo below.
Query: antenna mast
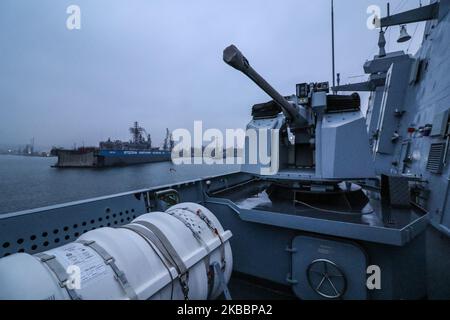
(332, 43)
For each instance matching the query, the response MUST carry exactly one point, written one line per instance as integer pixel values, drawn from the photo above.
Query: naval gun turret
(319, 136)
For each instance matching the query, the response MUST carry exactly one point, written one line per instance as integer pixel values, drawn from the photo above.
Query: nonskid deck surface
(253, 196)
(243, 287)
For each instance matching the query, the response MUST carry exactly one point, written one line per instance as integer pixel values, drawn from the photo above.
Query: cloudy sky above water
(160, 62)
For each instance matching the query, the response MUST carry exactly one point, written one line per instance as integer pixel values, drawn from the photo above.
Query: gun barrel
(234, 58)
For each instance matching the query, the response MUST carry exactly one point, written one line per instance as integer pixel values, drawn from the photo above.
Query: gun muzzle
(234, 58)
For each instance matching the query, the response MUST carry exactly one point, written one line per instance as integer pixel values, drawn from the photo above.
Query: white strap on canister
(208, 223)
(109, 260)
(198, 238)
(151, 240)
(59, 272)
(165, 245)
(162, 243)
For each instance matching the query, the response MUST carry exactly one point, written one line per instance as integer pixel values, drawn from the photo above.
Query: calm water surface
(31, 182)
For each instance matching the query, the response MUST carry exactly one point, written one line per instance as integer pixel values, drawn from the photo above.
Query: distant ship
(116, 153)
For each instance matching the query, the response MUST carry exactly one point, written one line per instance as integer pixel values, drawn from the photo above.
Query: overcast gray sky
(160, 62)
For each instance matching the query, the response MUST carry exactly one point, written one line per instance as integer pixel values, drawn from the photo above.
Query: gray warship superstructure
(345, 197)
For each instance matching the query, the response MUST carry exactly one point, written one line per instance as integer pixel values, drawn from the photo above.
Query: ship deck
(254, 196)
(243, 287)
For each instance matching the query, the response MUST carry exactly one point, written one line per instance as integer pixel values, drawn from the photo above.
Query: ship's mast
(332, 43)
(167, 139)
(137, 133)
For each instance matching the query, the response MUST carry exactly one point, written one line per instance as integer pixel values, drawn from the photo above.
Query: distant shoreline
(25, 156)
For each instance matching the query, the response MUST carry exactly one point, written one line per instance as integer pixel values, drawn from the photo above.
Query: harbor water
(31, 182)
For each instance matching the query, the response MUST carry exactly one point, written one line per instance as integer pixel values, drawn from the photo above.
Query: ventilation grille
(436, 158)
(59, 235)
